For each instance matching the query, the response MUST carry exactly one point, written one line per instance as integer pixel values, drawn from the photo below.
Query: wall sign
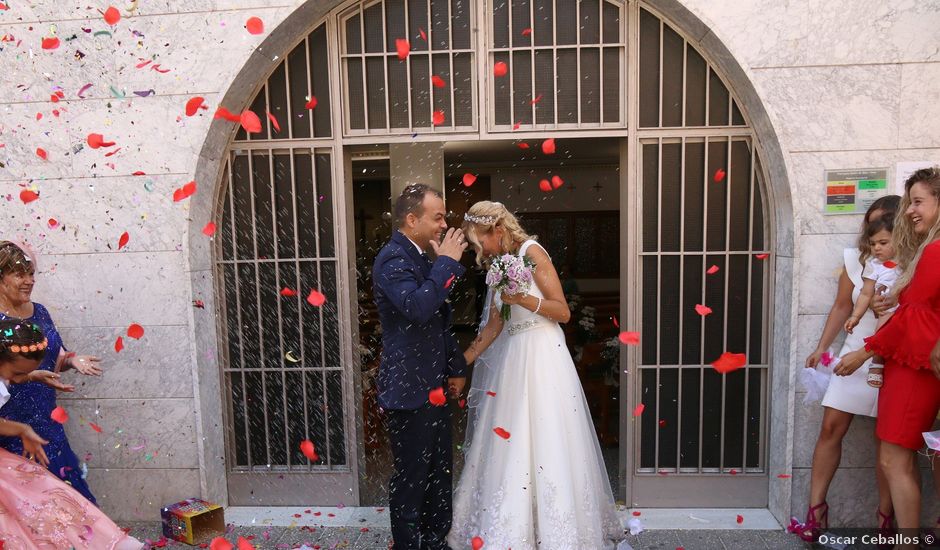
(853, 191)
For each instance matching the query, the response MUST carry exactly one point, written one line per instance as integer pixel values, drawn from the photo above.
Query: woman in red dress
(910, 345)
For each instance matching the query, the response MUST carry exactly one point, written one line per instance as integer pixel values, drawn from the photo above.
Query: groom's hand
(455, 386)
(453, 245)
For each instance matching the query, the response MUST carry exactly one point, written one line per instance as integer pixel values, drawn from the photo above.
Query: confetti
(122, 242)
(312, 104)
(729, 362)
(254, 25)
(277, 127)
(194, 104)
(50, 43)
(890, 265)
(291, 357)
(184, 192)
(476, 543)
(82, 90)
(403, 47)
(719, 175)
(703, 310)
(97, 140)
(315, 298)
(41, 153)
(209, 229)
(545, 186)
(135, 331)
(250, 122)
(629, 338)
(712, 270)
(307, 448)
(59, 415)
(469, 179)
(437, 397)
(28, 196)
(501, 432)
(500, 68)
(638, 410)
(557, 182)
(438, 118)
(112, 16)
(548, 146)
(438, 82)
(118, 344)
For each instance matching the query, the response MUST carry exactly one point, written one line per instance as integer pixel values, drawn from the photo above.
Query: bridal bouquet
(510, 274)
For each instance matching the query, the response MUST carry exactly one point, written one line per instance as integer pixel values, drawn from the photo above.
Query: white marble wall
(845, 85)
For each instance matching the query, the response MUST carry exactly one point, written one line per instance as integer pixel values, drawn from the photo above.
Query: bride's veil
(481, 380)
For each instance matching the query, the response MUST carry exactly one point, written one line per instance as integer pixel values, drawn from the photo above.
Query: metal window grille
(282, 369)
(697, 420)
(387, 95)
(565, 61)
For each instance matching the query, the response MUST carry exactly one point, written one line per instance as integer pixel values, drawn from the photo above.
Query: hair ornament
(480, 220)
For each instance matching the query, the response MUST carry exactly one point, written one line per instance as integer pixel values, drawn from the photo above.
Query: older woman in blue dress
(32, 403)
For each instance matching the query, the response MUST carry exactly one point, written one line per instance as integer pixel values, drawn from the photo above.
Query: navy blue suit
(419, 353)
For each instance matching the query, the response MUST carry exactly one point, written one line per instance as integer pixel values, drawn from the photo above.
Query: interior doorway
(577, 222)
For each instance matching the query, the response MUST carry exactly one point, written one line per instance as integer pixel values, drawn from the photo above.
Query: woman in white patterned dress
(533, 474)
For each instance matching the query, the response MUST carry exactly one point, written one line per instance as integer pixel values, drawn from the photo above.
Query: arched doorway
(692, 193)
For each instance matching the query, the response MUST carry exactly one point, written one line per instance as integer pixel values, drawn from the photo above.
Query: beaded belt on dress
(516, 328)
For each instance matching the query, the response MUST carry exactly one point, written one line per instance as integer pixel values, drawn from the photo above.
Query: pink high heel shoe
(817, 519)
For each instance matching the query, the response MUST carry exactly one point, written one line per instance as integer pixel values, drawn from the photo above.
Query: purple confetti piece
(138, 34)
(145, 94)
(84, 88)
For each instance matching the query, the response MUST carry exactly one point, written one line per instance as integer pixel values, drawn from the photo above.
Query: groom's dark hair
(411, 201)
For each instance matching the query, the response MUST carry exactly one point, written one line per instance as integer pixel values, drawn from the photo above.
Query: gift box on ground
(193, 521)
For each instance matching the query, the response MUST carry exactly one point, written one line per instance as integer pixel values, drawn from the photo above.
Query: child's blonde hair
(484, 217)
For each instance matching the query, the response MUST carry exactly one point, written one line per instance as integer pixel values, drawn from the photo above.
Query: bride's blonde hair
(484, 217)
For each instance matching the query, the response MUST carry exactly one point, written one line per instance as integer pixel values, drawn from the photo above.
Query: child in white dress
(879, 276)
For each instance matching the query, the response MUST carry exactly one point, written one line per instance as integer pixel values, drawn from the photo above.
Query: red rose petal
(712, 270)
(890, 265)
(702, 310)
(97, 140)
(616, 324)
(122, 242)
(209, 229)
(548, 146)
(222, 112)
(450, 281)
(516, 126)
(112, 16)
(438, 118)
(184, 192)
(500, 68)
(469, 179)
(526, 31)
(403, 47)
(193, 105)
(277, 127)
(462, 403)
(762, 256)
(719, 175)
(545, 186)
(316, 298)
(491, 393)
(254, 25)
(135, 331)
(288, 292)
(438, 82)
(437, 397)
(536, 100)
(219, 543)
(28, 196)
(557, 182)
(53, 223)
(50, 43)
(309, 451)
(250, 122)
(118, 344)
(501, 432)
(523, 145)
(312, 104)
(59, 415)
(476, 543)
(243, 544)
(662, 423)
(638, 410)
(423, 34)
(729, 362)
(740, 518)
(41, 153)
(784, 476)
(95, 427)
(629, 338)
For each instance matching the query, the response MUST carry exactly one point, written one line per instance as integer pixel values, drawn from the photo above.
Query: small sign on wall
(853, 191)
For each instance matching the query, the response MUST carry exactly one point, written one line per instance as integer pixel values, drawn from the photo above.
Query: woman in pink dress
(37, 510)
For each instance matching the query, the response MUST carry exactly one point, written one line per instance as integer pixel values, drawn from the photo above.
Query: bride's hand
(512, 299)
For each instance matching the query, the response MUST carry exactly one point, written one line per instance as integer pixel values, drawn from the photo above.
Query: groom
(419, 354)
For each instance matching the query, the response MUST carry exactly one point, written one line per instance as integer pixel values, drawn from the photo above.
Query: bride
(533, 474)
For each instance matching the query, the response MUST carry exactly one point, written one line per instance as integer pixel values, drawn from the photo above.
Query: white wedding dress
(545, 486)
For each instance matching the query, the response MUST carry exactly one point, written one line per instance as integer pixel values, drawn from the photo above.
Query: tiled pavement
(376, 538)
